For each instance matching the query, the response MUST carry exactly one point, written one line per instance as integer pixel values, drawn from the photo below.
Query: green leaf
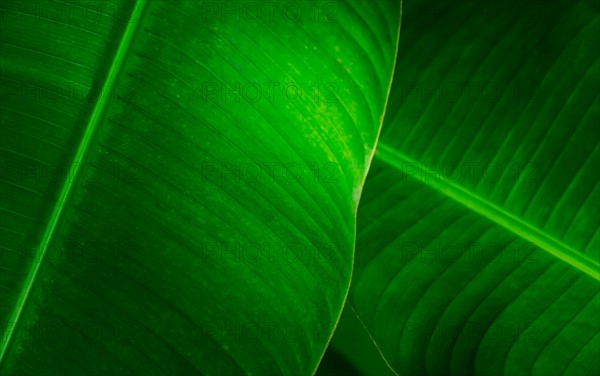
(478, 232)
(180, 180)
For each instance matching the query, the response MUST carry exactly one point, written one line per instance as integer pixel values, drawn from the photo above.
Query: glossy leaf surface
(180, 180)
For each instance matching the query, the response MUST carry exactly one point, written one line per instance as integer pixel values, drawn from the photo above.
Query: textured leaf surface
(180, 181)
(478, 236)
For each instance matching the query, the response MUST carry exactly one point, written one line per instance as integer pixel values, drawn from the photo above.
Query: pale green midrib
(491, 211)
(69, 183)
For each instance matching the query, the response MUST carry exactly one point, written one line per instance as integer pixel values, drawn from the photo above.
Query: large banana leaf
(180, 180)
(478, 236)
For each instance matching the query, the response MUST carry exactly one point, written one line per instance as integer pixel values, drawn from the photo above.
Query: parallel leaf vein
(69, 184)
(491, 211)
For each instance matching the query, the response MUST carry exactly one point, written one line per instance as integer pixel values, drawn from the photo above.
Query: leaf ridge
(82, 149)
(493, 212)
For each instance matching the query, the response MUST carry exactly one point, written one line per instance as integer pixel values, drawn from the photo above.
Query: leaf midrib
(65, 193)
(496, 214)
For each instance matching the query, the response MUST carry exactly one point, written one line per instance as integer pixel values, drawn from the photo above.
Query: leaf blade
(488, 148)
(179, 260)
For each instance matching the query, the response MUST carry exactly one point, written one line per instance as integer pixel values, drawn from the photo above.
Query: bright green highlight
(205, 227)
